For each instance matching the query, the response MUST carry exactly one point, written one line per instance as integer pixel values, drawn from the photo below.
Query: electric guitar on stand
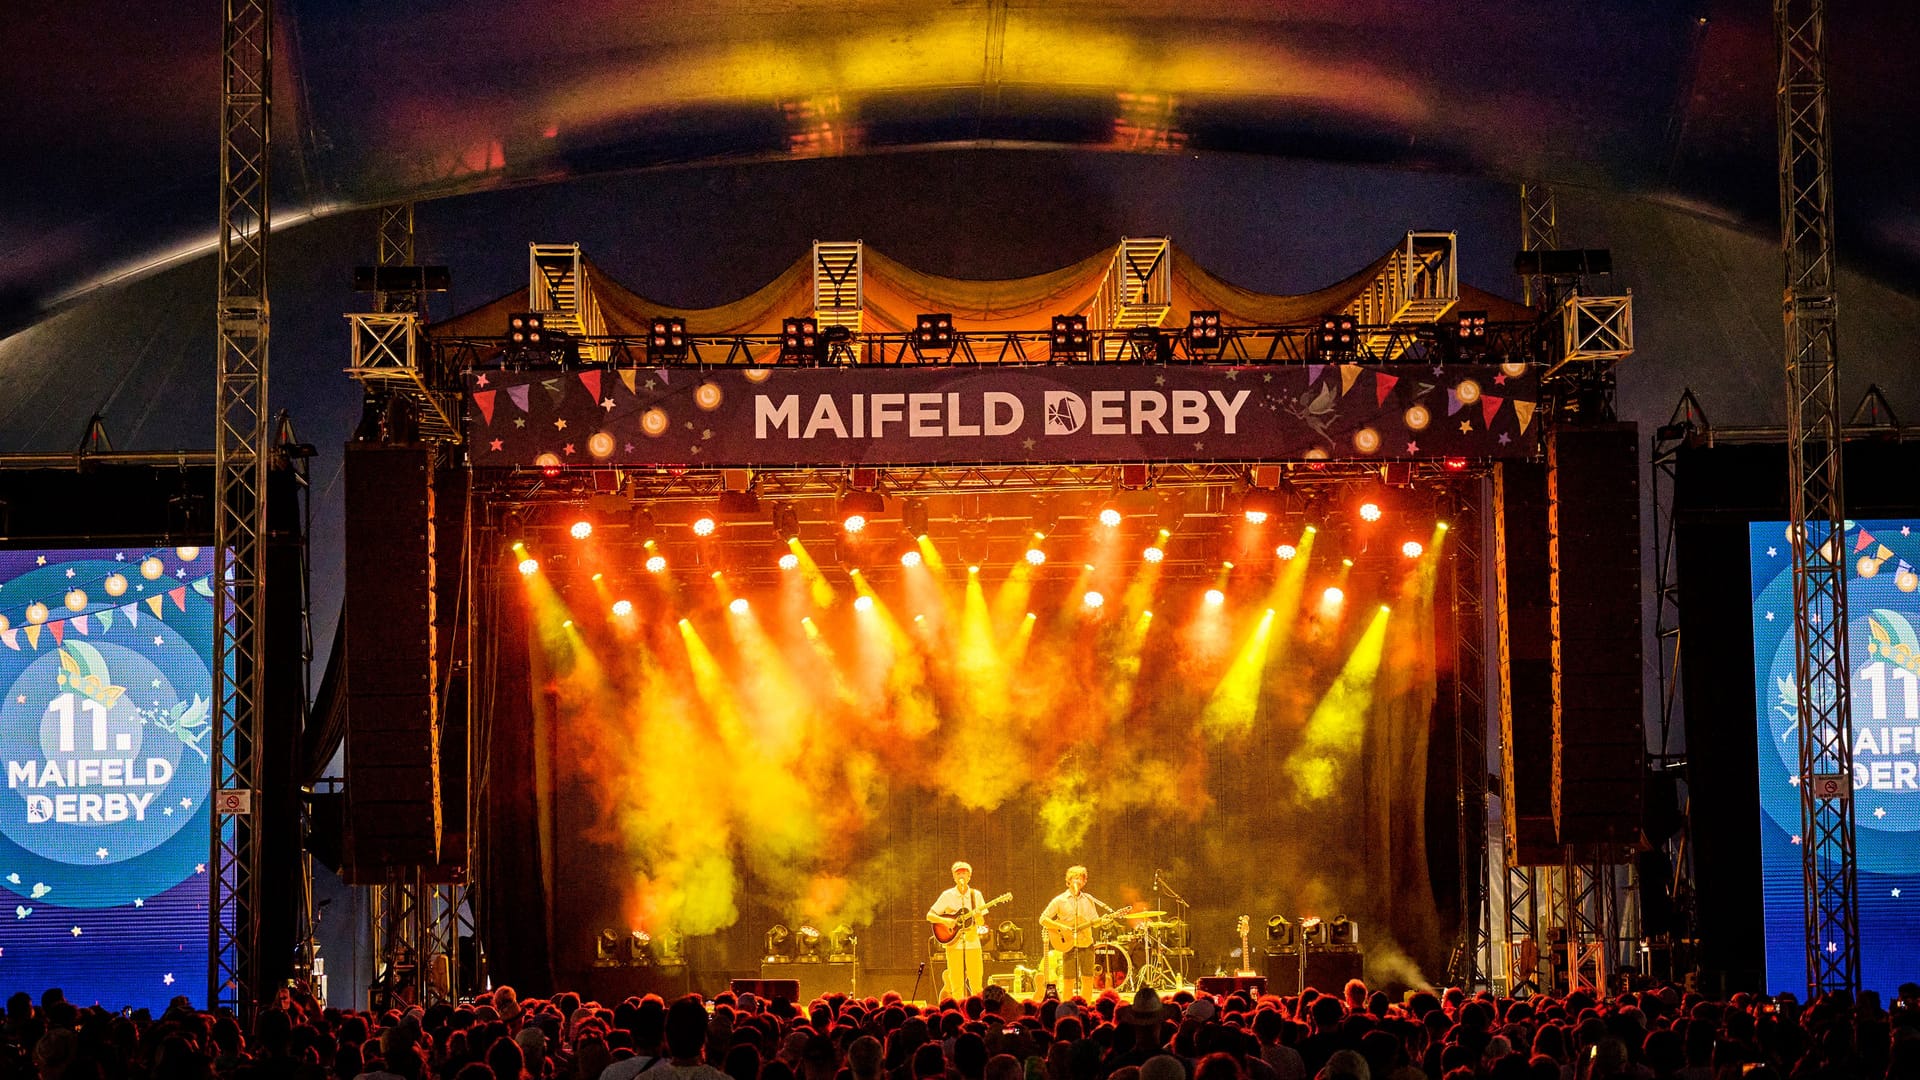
(965, 920)
(1246, 958)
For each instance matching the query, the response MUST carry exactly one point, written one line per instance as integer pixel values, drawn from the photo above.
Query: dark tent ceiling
(111, 108)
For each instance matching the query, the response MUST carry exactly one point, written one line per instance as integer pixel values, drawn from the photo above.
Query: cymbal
(1142, 914)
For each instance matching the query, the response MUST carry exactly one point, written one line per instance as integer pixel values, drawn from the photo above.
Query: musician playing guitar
(1070, 919)
(958, 907)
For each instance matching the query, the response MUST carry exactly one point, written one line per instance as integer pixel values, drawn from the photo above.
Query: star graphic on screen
(199, 868)
(568, 450)
(480, 381)
(1769, 616)
(1466, 427)
(1412, 447)
(158, 640)
(649, 384)
(607, 404)
(168, 979)
(186, 804)
(560, 424)
(1268, 377)
(1795, 840)
(180, 573)
(69, 571)
(168, 811)
(1773, 552)
(629, 448)
(1233, 375)
(1793, 780)
(1879, 811)
(156, 684)
(1439, 371)
(1896, 894)
(139, 901)
(22, 699)
(119, 556)
(1026, 444)
(1500, 379)
(494, 445)
(1504, 440)
(40, 561)
(1832, 948)
(100, 853)
(519, 421)
(75, 931)
(1906, 530)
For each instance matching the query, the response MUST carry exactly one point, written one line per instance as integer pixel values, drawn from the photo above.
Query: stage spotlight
(623, 608)
(1339, 334)
(1035, 556)
(1258, 504)
(738, 605)
(1472, 327)
(1203, 332)
(1279, 933)
(656, 564)
(670, 947)
(807, 939)
(704, 525)
(1285, 552)
(862, 507)
(1009, 942)
(799, 341)
(913, 518)
(789, 561)
(1069, 335)
(606, 948)
(639, 945)
(863, 603)
(842, 944)
(1110, 517)
(786, 521)
(581, 529)
(779, 944)
(529, 566)
(1412, 549)
(1215, 598)
(910, 557)
(667, 337)
(854, 522)
(1313, 932)
(526, 329)
(934, 332)
(1343, 931)
(1333, 597)
(1370, 511)
(1154, 553)
(1093, 599)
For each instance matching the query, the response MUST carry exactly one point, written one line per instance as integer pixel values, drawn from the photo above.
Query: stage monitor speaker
(1599, 738)
(768, 989)
(1328, 970)
(1222, 985)
(392, 740)
(1523, 594)
(813, 978)
(1283, 972)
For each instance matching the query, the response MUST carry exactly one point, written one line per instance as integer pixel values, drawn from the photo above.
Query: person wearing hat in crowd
(966, 968)
(1141, 1022)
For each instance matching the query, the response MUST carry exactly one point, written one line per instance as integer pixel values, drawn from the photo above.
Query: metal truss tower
(241, 433)
(1539, 231)
(1473, 966)
(1818, 508)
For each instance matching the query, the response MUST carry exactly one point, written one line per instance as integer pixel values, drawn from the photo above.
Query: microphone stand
(1186, 910)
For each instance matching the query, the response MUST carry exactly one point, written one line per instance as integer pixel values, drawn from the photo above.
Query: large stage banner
(827, 416)
(105, 732)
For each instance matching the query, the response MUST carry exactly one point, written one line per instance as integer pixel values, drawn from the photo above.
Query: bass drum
(1112, 968)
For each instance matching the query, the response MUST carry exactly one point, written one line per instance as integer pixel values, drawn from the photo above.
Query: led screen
(105, 735)
(1883, 630)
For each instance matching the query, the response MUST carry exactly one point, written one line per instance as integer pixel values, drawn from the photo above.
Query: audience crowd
(1355, 1035)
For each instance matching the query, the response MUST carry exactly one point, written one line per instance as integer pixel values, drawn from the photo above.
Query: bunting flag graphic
(1865, 539)
(591, 380)
(1490, 406)
(1382, 386)
(483, 400)
(1313, 373)
(80, 624)
(553, 388)
(1349, 374)
(59, 629)
(1884, 553)
(179, 597)
(132, 612)
(106, 619)
(518, 395)
(1453, 402)
(1523, 410)
(153, 604)
(11, 638)
(626, 377)
(33, 636)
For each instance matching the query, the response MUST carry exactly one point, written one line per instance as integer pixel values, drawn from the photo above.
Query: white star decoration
(1896, 894)
(101, 853)
(186, 804)
(1771, 552)
(1769, 616)
(69, 571)
(168, 979)
(40, 561)
(607, 404)
(1906, 530)
(1879, 811)
(1832, 948)
(199, 868)
(158, 640)
(180, 573)
(119, 556)
(139, 902)
(75, 931)
(1796, 838)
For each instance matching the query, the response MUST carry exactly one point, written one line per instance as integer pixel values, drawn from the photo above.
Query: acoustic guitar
(964, 921)
(1062, 940)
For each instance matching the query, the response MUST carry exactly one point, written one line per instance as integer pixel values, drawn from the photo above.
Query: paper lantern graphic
(1418, 418)
(654, 422)
(757, 374)
(116, 585)
(1366, 440)
(600, 445)
(36, 613)
(1906, 581)
(1513, 370)
(152, 568)
(1468, 391)
(1868, 566)
(187, 554)
(76, 600)
(548, 461)
(707, 395)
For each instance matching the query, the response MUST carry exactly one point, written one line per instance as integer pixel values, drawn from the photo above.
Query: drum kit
(1138, 949)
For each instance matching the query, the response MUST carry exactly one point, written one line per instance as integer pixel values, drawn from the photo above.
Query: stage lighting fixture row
(860, 506)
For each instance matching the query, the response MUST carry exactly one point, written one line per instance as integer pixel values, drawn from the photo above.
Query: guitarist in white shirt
(966, 971)
(1069, 920)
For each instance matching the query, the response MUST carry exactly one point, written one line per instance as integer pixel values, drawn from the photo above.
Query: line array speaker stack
(393, 729)
(1599, 738)
(1524, 598)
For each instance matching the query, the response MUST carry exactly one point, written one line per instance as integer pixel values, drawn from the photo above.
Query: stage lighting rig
(800, 341)
(780, 944)
(934, 333)
(1343, 932)
(738, 504)
(1471, 329)
(1259, 505)
(1339, 335)
(1069, 336)
(666, 338)
(913, 518)
(1313, 932)
(606, 948)
(786, 522)
(1203, 333)
(843, 945)
(809, 942)
(858, 508)
(1279, 933)
(639, 949)
(529, 341)
(837, 345)
(1145, 345)
(1009, 943)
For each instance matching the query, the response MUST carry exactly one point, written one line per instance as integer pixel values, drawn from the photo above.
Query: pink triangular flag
(1523, 410)
(1313, 373)
(591, 380)
(1490, 406)
(59, 628)
(518, 395)
(132, 612)
(483, 400)
(179, 597)
(1865, 539)
(11, 636)
(1382, 386)
(80, 624)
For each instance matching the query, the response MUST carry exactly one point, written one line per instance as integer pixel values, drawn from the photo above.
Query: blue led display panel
(106, 738)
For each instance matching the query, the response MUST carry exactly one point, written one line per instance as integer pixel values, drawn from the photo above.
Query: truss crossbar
(1817, 505)
(241, 432)
(1418, 284)
(1137, 291)
(386, 355)
(839, 283)
(1465, 556)
(1539, 231)
(559, 285)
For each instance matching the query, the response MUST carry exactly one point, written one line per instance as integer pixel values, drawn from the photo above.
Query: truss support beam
(1539, 231)
(241, 432)
(839, 283)
(1137, 291)
(1419, 283)
(1817, 505)
(560, 285)
(1473, 966)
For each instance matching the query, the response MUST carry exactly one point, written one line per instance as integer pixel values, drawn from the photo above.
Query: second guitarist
(1069, 920)
(966, 972)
